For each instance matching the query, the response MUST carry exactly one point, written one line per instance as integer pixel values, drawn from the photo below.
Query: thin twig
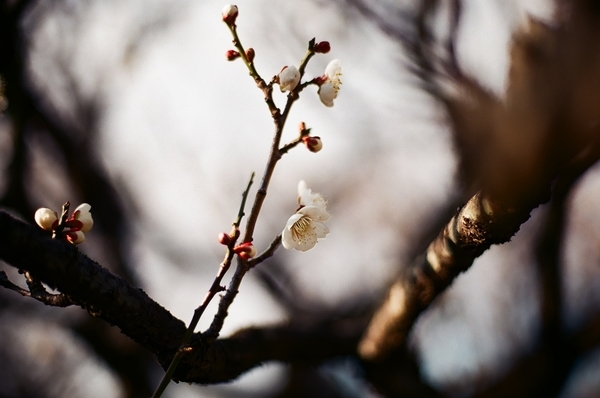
(267, 253)
(37, 291)
(212, 292)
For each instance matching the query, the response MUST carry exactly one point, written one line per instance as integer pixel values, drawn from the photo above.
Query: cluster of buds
(329, 83)
(72, 228)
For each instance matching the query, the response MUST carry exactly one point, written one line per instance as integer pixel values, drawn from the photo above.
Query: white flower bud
(229, 13)
(45, 218)
(288, 78)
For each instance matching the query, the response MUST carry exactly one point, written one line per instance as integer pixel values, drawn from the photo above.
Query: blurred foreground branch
(512, 148)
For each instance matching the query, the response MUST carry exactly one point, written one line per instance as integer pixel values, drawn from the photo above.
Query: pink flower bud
(322, 47)
(229, 14)
(224, 239)
(246, 250)
(232, 55)
(250, 54)
(313, 144)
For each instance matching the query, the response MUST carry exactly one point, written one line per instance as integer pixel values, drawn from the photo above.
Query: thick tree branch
(476, 226)
(102, 294)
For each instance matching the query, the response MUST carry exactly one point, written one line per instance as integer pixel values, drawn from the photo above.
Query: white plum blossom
(45, 218)
(328, 90)
(306, 226)
(288, 78)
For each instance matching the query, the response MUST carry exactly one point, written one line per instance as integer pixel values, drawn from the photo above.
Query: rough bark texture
(475, 227)
(112, 298)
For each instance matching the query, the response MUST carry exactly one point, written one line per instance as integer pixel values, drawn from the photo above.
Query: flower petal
(288, 78)
(333, 69)
(83, 214)
(327, 93)
(316, 213)
(45, 218)
(306, 197)
(320, 229)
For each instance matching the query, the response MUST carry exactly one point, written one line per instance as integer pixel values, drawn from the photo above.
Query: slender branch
(275, 153)
(92, 287)
(267, 253)
(212, 292)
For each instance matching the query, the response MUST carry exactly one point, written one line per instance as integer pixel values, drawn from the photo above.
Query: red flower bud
(322, 47)
(245, 250)
(232, 55)
(313, 144)
(224, 239)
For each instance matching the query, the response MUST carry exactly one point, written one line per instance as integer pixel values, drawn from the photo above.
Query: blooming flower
(306, 227)
(288, 78)
(328, 90)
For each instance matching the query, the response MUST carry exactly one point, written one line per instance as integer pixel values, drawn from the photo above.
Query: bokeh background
(132, 107)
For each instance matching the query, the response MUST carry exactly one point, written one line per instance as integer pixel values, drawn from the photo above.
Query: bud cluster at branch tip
(72, 229)
(229, 14)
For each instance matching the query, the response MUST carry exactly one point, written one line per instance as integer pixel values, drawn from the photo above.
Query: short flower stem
(62, 219)
(212, 292)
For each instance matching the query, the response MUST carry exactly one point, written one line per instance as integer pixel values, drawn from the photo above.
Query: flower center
(337, 81)
(300, 227)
